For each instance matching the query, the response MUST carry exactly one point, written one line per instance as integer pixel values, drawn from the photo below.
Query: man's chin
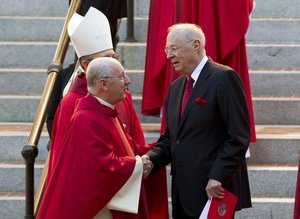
(177, 69)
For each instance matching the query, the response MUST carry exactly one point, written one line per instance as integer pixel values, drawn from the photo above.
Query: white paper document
(205, 210)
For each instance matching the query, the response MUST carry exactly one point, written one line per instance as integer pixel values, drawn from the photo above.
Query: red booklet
(223, 208)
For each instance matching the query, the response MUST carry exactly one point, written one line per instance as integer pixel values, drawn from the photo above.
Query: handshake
(147, 166)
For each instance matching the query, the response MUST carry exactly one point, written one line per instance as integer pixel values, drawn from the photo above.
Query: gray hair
(189, 32)
(99, 68)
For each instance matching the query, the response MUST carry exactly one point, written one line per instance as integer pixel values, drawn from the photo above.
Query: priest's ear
(103, 84)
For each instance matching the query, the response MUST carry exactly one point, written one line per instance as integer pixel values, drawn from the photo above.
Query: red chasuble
(62, 118)
(224, 24)
(127, 115)
(93, 165)
(156, 185)
(130, 119)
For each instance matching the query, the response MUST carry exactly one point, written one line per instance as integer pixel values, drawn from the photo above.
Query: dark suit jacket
(209, 142)
(57, 92)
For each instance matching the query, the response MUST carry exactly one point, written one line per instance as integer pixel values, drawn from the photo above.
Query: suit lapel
(198, 90)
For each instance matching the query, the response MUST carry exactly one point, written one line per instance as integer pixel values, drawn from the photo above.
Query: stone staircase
(28, 38)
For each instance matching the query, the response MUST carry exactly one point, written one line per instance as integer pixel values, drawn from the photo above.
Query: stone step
(275, 144)
(265, 30)
(49, 29)
(272, 180)
(268, 56)
(12, 207)
(31, 28)
(276, 110)
(265, 180)
(267, 110)
(132, 55)
(276, 9)
(268, 208)
(33, 8)
(30, 54)
(25, 81)
(275, 83)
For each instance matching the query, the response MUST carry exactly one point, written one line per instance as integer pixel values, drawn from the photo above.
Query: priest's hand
(214, 189)
(147, 166)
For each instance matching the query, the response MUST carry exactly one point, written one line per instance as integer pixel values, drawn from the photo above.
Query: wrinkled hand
(147, 166)
(214, 189)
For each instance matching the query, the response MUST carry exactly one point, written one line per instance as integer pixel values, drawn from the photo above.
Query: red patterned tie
(187, 93)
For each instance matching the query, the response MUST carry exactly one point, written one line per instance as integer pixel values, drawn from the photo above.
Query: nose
(127, 80)
(170, 55)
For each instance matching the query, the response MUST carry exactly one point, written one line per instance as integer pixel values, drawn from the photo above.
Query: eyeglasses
(121, 77)
(174, 49)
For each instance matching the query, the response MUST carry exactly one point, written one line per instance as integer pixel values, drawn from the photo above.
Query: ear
(197, 44)
(85, 64)
(103, 84)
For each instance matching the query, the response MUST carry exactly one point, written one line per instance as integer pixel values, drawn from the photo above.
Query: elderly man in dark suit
(208, 129)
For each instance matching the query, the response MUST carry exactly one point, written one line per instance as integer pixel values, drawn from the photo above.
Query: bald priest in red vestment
(97, 160)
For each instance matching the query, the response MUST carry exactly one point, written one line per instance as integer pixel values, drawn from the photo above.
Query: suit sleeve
(56, 96)
(54, 102)
(160, 154)
(234, 111)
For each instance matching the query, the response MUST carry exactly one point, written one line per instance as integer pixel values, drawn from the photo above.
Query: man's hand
(214, 189)
(147, 166)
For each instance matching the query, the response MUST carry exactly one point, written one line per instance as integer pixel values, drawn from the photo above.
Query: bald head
(106, 79)
(187, 32)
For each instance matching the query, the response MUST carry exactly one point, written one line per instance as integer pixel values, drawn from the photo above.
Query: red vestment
(92, 166)
(62, 118)
(127, 115)
(224, 24)
(156, 185)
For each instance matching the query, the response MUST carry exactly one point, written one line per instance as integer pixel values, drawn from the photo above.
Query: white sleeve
(127, 198)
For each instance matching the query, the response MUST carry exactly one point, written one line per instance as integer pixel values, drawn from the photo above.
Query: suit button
(177, 142)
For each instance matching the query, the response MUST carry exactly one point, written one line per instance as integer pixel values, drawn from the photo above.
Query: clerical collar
(104, 102)
(198, 69)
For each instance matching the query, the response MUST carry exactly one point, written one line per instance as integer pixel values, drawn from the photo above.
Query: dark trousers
(179, 213)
